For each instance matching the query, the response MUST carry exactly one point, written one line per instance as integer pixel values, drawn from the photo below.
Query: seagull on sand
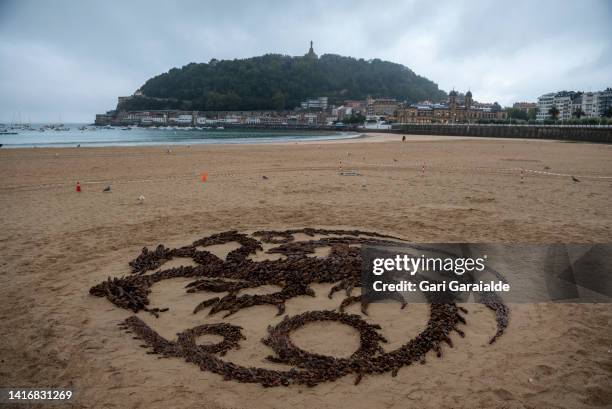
(141, 199)
(575, 179)
(107, 189)
(264, 177)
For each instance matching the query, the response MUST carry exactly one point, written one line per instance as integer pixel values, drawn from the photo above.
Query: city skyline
(97, 51)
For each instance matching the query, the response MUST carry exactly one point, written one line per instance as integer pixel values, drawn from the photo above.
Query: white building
(576, 104)
(342, 112)
(183, 119)
(316, 103)
(153, 119)
(561, 100)
(604, 102)
(545, 102)
(310, 119)
(589, 104)
(146, 118)
(564, 105)
(592, 104)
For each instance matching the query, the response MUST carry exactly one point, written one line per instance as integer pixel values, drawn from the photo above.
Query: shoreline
(69, 139)
(363, 137)
(271, 136)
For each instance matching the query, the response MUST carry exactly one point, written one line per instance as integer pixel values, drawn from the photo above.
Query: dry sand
(56, 244)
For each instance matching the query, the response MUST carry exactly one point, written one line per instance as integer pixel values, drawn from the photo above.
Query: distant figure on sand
(403, 138)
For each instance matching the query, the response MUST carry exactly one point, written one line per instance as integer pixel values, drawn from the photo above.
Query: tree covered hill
(279, 82)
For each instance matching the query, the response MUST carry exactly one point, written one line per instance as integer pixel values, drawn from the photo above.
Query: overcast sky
(73, 58)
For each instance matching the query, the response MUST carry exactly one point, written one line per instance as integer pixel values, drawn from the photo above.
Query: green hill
(275, 81)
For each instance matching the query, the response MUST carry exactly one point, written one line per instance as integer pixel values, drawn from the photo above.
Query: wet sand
(56, 243)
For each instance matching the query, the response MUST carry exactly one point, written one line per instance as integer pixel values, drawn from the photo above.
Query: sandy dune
(56, 243)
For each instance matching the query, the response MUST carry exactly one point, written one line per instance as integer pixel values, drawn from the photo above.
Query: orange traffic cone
(78, 187)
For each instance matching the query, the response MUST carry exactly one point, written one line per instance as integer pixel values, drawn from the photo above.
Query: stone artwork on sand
(294, 273)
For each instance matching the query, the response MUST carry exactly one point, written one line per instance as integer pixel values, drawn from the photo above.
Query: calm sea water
(144, 136)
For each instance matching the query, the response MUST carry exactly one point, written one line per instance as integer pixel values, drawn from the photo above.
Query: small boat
(126, 128)
(8, 133)
(220, 127)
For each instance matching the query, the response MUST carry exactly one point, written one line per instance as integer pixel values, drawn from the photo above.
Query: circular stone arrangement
(231, 338)
(280, 342)
(293, 274)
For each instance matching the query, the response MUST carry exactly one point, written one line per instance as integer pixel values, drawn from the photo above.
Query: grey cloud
(75, 57)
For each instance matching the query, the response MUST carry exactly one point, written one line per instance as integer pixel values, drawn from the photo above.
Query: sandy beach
(57, 243)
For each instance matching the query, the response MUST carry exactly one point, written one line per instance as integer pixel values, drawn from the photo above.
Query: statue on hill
(311, 53)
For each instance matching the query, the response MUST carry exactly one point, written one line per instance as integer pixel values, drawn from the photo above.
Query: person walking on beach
(403, 138)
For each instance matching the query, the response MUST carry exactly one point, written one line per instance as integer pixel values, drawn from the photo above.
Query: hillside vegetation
(279, 82)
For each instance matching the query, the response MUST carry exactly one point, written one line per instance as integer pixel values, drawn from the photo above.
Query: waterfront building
(545, 103)
(604, 102)
(589, 104)
(141, 117)
(576, 105)
(453, 111)
(181, 119)
(563, 102)
(525, 106)
(566, 103)
(155, 118)
(592, 104)
(343, 112)
(357, 106)
(105, 119)
(315, 103)
(381, 106)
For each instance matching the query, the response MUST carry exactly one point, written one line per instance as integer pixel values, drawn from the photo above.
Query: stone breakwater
(601, 134)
